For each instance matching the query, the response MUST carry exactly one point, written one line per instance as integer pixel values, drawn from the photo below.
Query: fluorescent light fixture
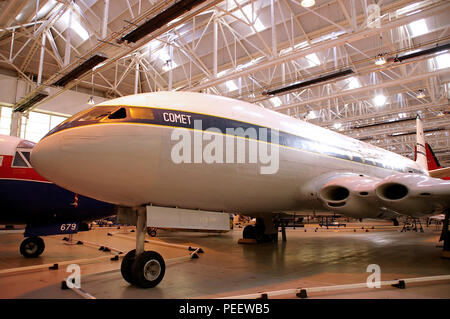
(379, 100)
(308, 3)
(337, 125)
(91, 101)
(380, 60)
(418, 27)
(313, 59)
(442, 61)
(231, 86)
(276, 102)
(409, 8)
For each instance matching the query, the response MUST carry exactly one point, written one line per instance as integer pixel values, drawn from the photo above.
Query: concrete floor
(307, 259)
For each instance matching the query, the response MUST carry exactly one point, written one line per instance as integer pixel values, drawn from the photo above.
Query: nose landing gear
(142, 268)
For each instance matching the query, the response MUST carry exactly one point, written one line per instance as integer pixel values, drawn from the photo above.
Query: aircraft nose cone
(46, 158)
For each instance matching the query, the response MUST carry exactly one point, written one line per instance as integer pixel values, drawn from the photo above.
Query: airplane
(168, 152)
(434, 167)
(28, 198)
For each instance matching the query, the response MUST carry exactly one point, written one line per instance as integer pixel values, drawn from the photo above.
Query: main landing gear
(265, 230)
(32, 247)
(142, 268)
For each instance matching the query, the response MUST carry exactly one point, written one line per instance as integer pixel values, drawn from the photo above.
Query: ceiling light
(380, 60)
(308, 3)
(337, 125)
(420, 94)
(275, 101)
(91, 101)
(379, 100)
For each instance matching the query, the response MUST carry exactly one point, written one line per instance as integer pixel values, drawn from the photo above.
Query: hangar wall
(35, 124)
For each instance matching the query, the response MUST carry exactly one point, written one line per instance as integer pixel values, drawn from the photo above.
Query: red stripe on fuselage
(23, 173)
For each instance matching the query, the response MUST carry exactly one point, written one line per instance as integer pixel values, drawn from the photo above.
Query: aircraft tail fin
(433, 162)
(421, 155)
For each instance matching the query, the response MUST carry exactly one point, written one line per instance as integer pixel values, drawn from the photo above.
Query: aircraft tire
(126, 266)
(249, 232)
(32, 247)
(151, 231)
(148, 269)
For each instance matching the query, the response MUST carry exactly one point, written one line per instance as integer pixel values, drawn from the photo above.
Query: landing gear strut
(445, 236)
(142, 268)
(263, 231)
(32, 247)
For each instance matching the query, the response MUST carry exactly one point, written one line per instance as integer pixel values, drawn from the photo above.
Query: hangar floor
(307, 259)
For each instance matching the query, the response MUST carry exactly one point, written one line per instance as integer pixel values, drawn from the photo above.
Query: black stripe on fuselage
(182, 119)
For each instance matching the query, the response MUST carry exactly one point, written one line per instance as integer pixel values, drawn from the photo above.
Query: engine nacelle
(354, 196)
(414, 194)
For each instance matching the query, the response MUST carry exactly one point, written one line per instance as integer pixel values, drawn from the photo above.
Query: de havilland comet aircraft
(199, 153)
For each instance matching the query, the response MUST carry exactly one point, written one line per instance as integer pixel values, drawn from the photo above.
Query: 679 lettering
(68, 227)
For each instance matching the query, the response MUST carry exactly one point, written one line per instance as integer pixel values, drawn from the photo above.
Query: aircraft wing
(405, 194)
(440, 172)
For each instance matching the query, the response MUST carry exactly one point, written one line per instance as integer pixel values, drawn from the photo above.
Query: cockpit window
(97, 113)
(26, 154)
(143, 113)
(21, 159)
(119, 114)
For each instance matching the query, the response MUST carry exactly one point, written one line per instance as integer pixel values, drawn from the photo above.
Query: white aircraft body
(127, 151)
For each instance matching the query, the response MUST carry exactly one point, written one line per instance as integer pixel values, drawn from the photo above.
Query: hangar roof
(246, 48)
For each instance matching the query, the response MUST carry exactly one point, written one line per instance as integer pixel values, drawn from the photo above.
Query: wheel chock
(263, 296)
(65, 239)
(101, 248)
(64, 285)
(200, 251)
(54, 267)
(115, 258)
(191, 249)
(106, 249)
(109, 234)
(401, 284)
(79, 242)
(194, 256)
(132, 231)
(302, 294)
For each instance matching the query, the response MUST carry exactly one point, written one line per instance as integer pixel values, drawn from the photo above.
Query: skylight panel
(75, 24)
(442, 61)
(312, 59)
(231, 86)
(418, 27)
